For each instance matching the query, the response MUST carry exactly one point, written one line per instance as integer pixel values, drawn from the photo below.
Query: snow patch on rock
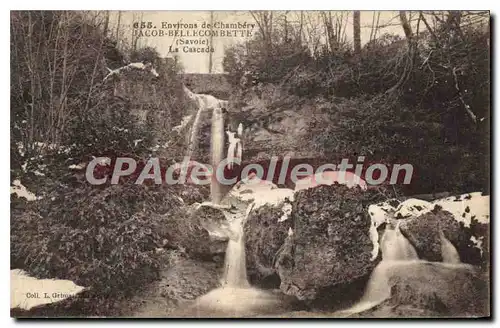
(21, 191)
(464, 208)
(381, 213)
(412, 208)
(467, 207)
(287, 210)
(79, 166)
(478, 243)
(260, 192)
(329, 178)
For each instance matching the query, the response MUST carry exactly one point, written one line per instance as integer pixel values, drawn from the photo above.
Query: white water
(464, 208)
(217, 152)
(203, 102)
(235, 272)
(448, 251)
(395, 247)
(235, 298)
(193, 138)
(396, 250)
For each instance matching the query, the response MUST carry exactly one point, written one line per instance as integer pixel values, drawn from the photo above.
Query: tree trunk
(118, 24)
(210, 54)
(412, 48)
(406, 25)
(357, 31)
(106, 24)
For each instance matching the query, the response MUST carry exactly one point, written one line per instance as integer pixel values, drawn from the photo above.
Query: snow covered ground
(21, 191)
(27, 292)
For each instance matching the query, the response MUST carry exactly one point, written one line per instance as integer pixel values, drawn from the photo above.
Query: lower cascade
(395, 247)
(448, 251)
(236, 297)
(235, 273)
(400, 278)
(396, 250)
(399, 258)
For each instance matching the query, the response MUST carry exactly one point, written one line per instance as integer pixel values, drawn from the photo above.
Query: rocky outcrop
(323, 243)
(196, 230)
(463, 220)
(447, 290)
(423, 233)
(276, 121)
(180, 283)
(264, 238)
(420, 289)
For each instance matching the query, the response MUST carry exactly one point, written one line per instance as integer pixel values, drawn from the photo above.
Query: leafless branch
(466, 106)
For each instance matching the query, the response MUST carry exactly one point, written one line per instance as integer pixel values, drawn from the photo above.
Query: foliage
(422, 100)
(255, 63)
(97, 238)
(63, 112)
(103, 239)
(59, 98)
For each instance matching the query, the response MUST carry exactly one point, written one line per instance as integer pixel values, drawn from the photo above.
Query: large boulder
(423, 233)
(429, 289)
(448, 290)
(198, 230)
(264, 237)
(323, 243)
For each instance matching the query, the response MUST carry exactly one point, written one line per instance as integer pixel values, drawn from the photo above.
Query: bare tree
(210, 55)
(375, 26)
(301, 26)
(410, 55)
(264, 20)
(118, 24)
(335, 28)
(135, 38)
(106, 23)
(356, 22)
(49, 76)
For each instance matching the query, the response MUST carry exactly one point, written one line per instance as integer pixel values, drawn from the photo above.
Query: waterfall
(193, 137)
(396, 251)
(205, 102)
(448, 251)
(395, 247)
(399, 259)
(235, 272)
(235, 297)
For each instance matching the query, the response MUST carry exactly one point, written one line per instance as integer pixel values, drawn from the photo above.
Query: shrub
(384, 131)
(80, 115)
(104, 239)
(387, 102)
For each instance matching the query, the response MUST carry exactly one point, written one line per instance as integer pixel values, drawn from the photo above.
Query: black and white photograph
(282, 164)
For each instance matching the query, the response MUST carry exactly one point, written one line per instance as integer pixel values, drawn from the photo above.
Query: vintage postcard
(250, 164)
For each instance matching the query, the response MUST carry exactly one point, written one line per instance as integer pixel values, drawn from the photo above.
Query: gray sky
(198, 62)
